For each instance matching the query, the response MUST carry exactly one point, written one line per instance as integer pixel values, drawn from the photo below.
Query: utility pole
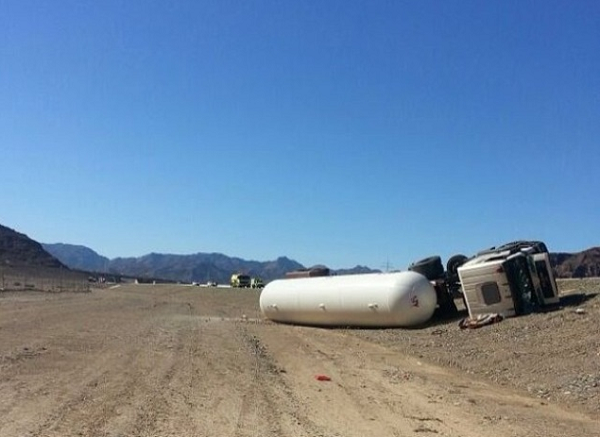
(387, 266)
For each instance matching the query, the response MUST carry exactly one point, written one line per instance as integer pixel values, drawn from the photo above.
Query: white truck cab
(511, 280)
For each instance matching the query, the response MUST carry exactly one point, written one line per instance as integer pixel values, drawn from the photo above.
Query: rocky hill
(199, 267)
(78, 257)
(585, 264)
(18, 250)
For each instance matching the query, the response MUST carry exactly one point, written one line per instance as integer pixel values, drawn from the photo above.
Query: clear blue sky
(331, 132)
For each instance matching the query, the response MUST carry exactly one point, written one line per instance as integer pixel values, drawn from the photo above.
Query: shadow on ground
(576, 299)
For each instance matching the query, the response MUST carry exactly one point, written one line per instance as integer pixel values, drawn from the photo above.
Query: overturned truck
(511, 279)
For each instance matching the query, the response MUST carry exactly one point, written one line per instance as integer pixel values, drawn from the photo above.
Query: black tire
(430, 267)
(454, 263)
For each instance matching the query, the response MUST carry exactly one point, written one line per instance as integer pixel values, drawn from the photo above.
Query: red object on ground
(322, 378)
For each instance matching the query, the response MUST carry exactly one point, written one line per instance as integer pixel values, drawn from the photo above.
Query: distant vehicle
(256, 283)
(240, 280)
(211, 284)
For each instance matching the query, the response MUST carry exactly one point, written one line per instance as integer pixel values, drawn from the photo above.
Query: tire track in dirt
(53, 392)
(278, 405)
(103, 397)
(374, 391)
(262, 411)
(110, 371)
(181, 361)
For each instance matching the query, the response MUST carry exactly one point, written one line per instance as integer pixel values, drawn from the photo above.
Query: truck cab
(510, 280)
(240, 280)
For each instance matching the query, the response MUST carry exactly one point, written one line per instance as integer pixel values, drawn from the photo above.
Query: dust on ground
(169, 360)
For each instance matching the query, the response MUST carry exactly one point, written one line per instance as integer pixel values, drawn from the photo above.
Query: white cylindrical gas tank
(369, 300)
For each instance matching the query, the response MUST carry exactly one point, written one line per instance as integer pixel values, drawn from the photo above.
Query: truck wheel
(454, 263)
(430, 267)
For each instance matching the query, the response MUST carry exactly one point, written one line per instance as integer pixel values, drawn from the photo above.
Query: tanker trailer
(401, 299)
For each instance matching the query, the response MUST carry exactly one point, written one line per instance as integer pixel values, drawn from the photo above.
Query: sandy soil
(143, 360)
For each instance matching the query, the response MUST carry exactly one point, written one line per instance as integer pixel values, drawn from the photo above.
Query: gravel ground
(553, 356)
(175, 360)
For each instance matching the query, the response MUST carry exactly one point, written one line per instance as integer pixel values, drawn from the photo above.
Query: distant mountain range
(199, 267)
(18, 250)
(202, 267)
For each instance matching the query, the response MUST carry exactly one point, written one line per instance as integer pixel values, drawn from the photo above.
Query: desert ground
(175, 360)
